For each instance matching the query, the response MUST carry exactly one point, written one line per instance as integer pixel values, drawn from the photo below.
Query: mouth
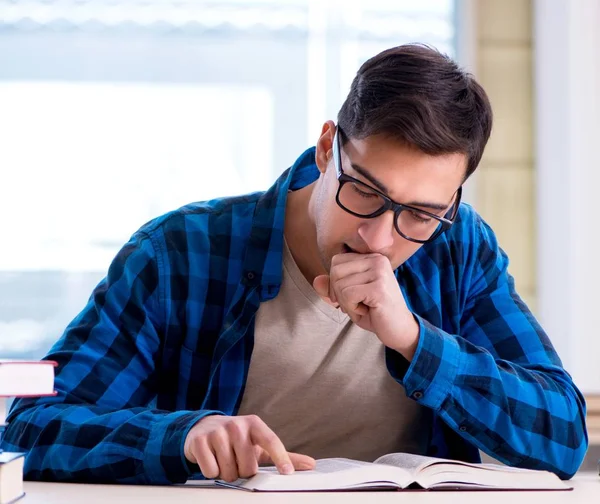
(348, 250)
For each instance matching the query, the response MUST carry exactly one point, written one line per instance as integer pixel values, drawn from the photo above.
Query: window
(114, 112)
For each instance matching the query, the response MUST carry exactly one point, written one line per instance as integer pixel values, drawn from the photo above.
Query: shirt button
(463, 428)
(250, 275)
(418, 395)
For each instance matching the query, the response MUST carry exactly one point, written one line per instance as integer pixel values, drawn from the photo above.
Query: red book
(26, 378)
(19, 378)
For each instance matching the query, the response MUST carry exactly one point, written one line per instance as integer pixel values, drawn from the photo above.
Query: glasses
(362, 200)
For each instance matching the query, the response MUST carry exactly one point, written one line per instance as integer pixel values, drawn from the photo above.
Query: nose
(378, 233)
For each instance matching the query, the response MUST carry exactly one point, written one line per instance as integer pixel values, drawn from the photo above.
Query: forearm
(528, 415)
(68, 442)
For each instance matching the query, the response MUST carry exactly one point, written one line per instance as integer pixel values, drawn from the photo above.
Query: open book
(400, 471)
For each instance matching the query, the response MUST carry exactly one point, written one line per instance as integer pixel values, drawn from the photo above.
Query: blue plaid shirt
(166, 339)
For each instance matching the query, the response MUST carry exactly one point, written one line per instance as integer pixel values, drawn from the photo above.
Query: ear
(325, 146)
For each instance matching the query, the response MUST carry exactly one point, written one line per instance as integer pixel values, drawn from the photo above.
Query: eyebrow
(383, 188)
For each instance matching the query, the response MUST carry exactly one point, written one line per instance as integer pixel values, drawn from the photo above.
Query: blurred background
(115, 111)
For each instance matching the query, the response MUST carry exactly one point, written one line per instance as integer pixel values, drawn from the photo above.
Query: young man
(353, 309)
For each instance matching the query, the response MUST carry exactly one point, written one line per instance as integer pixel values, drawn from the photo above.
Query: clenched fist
(229, 448)
(365, 287)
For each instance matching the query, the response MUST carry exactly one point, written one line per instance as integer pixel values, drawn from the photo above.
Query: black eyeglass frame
(389, 204)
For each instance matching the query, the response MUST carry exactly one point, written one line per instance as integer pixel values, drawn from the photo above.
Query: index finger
(351, 256)
(261, 435)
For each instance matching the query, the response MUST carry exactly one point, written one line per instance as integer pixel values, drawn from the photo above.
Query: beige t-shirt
(321, 382)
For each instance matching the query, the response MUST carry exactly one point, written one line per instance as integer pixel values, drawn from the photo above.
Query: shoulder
(202, 222)
(470, 233)
(460, 251)
(201, 240)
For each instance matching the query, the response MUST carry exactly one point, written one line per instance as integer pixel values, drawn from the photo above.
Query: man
(355, 308)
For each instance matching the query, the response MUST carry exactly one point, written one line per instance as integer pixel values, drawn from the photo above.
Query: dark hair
(417, 95)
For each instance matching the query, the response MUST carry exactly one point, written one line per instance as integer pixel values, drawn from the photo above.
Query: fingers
(356, 300)
(223, 449)
(302, 462)
(299, 461)
(342, 269)
(345, 265)
(342, 265)
(264, 437)
(361, 309)
(353, 280)
(353, 291)
(206, 459)
(232, 447)
(245, 454)
(362, 278)
(321, 286)
(350, 257)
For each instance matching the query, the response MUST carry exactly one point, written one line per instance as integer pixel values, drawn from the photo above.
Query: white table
(586, 491)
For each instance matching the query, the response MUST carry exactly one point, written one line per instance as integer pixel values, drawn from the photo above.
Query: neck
(300, 233)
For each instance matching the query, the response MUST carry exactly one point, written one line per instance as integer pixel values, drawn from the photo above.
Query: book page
(331, 465)
(201, 483)
(324, 466)
(457, 476)
(410, 462)
(329, 474)
(431, 472)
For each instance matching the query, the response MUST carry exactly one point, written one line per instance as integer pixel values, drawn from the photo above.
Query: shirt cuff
(164, 457)
(429, 377)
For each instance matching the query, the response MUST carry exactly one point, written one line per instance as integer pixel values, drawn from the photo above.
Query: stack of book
(19, 379)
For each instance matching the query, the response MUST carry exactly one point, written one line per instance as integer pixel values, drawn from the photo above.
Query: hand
(364, 286)
(232, 447)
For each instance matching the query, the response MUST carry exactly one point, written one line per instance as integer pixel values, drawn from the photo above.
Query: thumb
(321, 286)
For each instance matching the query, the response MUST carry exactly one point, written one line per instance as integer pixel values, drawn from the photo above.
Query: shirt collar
(264, 252)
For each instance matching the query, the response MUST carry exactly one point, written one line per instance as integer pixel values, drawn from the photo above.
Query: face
(403, 173)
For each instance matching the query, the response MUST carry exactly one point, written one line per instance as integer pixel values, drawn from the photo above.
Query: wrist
(410, 339)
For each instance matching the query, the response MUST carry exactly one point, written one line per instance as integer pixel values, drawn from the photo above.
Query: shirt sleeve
(99, 427)
(499, 383)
